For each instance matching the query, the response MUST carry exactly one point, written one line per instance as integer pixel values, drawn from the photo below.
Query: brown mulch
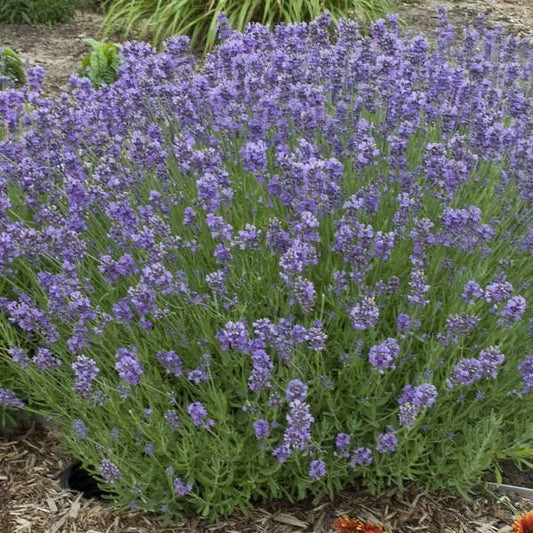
(31, 501)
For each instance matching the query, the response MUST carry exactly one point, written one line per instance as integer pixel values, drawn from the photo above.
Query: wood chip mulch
(31, 501)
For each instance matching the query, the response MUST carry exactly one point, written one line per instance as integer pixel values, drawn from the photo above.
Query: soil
(59, 49)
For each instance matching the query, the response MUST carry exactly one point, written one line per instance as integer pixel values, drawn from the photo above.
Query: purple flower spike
(262, 429)
(180, 487)
(361, 456)
(387, 442)
(198, 412)
(109, 471)
(364, 315)
(342, 443)
(171, 361)
(128, 366)
(296, 390)
(382, 356)
(526, 369)
(466, 372)
(512, 311)
(9, 400)
(317, 470)
(85, 370)
(80, 429)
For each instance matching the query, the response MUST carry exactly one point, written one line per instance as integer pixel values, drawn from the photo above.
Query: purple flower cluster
(109, 471)
(128, 366)
(317, 469)
(171, 361)
(387, 442)
(470, 370)
(80, 429)
(413, 400)
(526, 369)
(9, 400)
(180, 487)
(85, 371)
(364, 314)
(198, 414)
(382, 356)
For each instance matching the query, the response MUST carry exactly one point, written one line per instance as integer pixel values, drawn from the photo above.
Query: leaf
(290, 520)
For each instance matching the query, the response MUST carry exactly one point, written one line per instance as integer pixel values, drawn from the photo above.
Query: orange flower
(344, 524)
(524, 523)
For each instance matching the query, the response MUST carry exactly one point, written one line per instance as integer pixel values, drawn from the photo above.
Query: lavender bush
(302, 264)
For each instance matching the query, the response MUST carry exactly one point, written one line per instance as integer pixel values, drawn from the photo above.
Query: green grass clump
(160, 20)
(36, 11)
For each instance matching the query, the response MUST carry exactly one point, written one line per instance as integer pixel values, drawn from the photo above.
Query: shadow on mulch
(31, 500)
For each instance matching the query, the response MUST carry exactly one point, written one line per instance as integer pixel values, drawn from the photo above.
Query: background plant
(11, 68)
(36, 11)
(300, 266)
(101, 65)
(158, 20)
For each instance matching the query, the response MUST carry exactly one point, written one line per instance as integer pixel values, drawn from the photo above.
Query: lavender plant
(302, 264)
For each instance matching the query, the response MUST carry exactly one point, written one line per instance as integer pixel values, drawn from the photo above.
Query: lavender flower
(296, 390)
(262, 429)
(19, 356)
(364, 315)
(85, 370)
(234, 336)
(172, 419)
(419, 288)
(180, 487)
(198, 412)
(387, 442)
(9, 400)
(261, 367)
(383, 355)
(342, 443)
(512, 311)
(403, 322)
(413, 401)
(490, 359)
(171, 361)
(282, 453)
(526, 369)
(317, 469)
(128, 366)
(298, 432)
(471, 292)
(361, 456)
(497, 292)
(44, 360)
(80, 429)
(109, 471)
(465, 372)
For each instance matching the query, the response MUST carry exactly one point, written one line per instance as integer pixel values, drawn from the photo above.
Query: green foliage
(101, 65)
(160, 20)
(11, 68)
(36, 11)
